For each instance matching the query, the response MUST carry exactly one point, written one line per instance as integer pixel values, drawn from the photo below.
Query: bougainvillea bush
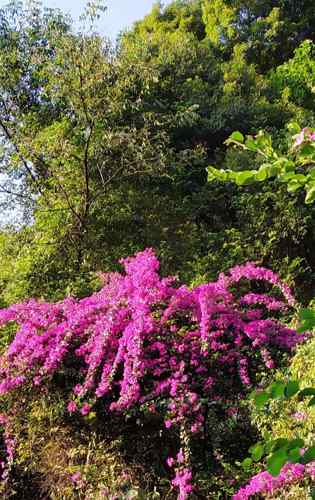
(266, 485)
(145, 342)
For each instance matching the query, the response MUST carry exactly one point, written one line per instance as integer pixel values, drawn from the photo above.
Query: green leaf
(307, 318)
(237, 137)
(293, 186)
(251, 144)
(294, 128)
(211, 176)
(312, 402)
(291, 388)
(263, 173)
(307, 150)
(257, 451)
(305, 326)
(269, 446)
(261, 399)
(245, 177)
(286, 177)
(279, 443)
(308, 391)
(277, 461)
(246, 464)
(294, 455)
(307, 314)
(277, 390)
(310, 196)
(216, 174)
(301, 178)
(309, 455)
(287, 166)
(295, 443)
(274, 170)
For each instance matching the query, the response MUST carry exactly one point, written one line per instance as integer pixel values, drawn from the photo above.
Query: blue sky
(120, 13)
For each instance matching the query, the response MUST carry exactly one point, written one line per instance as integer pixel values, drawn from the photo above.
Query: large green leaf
(308, 391)
(257, 451)
(278, 443)
(307, 319)
(294, 455)
(277, 461)
(292, 388)
(237, 136)
(247, 463)
(309, 455)
(245, 177)
(277, 390)
(251, 144)
(261, 399)
(293, 185)
(216, 174)
(310, 196)
(263, 173)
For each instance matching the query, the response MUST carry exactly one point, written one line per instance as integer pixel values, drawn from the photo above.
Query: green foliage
(292, 167)
(287, 421)
(296, 78)
(264, 26)
(307, 320)
(283, 450)
(104, 152)
(219, 18)
(119, 142)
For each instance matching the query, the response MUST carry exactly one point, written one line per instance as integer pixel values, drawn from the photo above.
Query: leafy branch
(294, 167)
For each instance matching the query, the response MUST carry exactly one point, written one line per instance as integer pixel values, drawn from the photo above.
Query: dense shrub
(266, 485)
(145, 343)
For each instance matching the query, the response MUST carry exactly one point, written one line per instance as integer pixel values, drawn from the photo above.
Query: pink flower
(76, 477)
(195, 428)
(232, 412)
(300, 416)
(77, 390)
(72, 406)
(265, 483)
(86, 408)
(304, 135)
(37, 380)
(299, 138)
(183, 481)
(180, 457)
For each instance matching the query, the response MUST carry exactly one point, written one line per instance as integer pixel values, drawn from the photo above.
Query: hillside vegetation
(157, 272)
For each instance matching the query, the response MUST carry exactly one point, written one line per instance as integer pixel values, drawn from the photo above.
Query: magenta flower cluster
(264, 483)
(143, 339)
